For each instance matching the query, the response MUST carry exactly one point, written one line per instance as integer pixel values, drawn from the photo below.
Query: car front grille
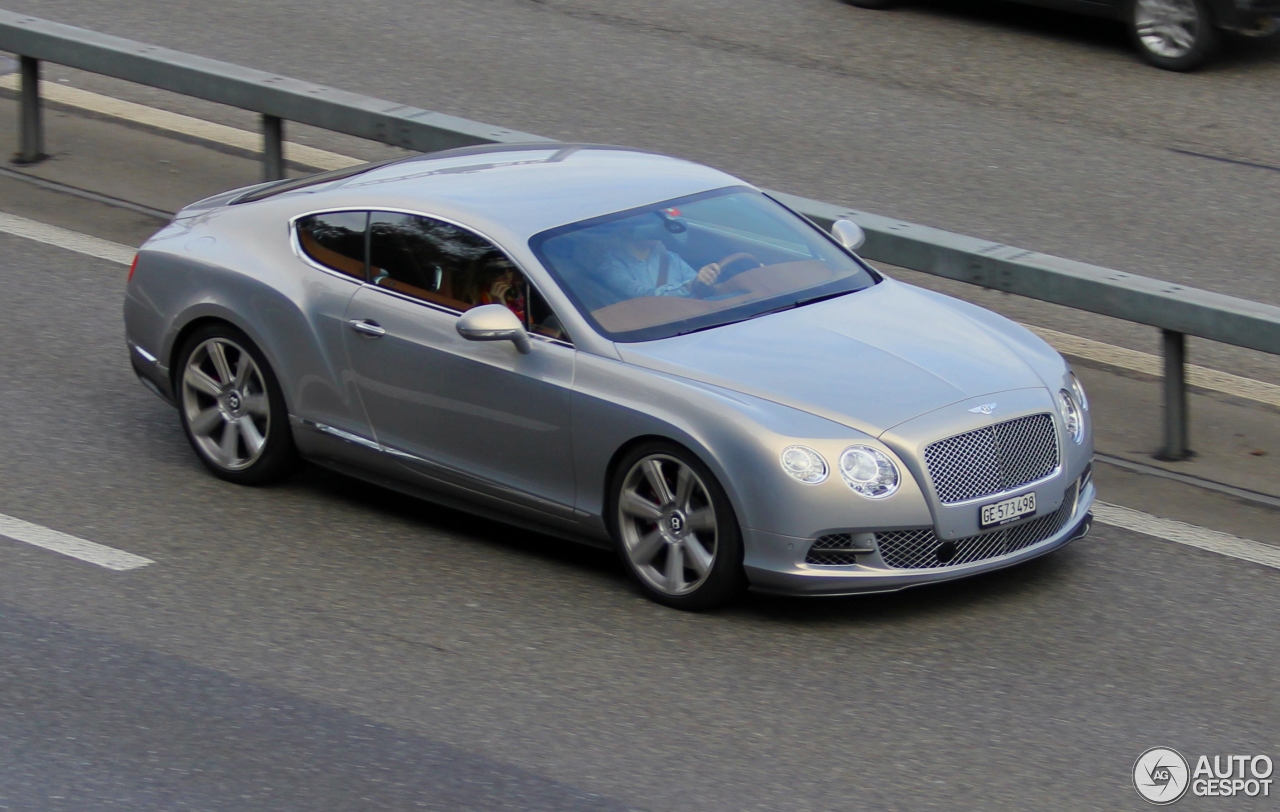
(921, 549)
(994, 459)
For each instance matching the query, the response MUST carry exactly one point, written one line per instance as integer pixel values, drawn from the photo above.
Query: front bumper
(775, 563)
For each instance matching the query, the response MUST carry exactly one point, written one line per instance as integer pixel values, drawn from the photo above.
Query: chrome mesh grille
(919, 549)
(994, 459)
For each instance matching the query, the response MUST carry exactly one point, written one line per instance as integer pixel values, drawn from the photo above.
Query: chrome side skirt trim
(443, 471)
(340, 434)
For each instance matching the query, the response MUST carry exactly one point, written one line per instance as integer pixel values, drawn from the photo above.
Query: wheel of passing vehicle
(675, 528)
(232, 408)
(1175, 35)
(873, 4)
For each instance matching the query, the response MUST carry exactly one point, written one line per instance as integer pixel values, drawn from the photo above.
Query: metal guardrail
(1178, 311)
(277, 98)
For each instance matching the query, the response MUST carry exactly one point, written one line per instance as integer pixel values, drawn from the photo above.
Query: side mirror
(493, 322)
(849, 234)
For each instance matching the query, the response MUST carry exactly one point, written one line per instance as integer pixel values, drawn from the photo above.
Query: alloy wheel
(225, 403)
(1168, 28)
(668, 524)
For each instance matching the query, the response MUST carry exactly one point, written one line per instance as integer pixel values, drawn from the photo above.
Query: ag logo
(1161, 775)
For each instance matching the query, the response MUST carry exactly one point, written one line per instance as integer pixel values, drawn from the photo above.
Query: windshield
(694, 263)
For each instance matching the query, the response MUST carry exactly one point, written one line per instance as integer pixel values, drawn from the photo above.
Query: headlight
(804, 464)
(869, 472)
(1072, 417)
(1077, 391)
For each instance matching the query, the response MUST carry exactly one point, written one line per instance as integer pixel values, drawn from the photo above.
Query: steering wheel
(701, 292)
(738, 257)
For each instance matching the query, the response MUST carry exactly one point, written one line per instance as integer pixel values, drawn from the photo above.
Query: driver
(639, 264)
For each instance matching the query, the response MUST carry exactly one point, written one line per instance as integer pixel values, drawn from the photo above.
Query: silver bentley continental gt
(621, 348)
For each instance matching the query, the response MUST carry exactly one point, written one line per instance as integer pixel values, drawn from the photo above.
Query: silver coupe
(621, 348)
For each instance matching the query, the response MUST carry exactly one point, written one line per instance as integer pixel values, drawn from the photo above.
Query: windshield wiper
(822, 297)
(801, 303)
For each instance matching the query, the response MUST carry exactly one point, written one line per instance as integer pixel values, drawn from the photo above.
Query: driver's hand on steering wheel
(708, 274)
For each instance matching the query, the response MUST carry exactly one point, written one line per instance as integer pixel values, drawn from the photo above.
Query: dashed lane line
(1188, 534)
(90, 551)
(1197, 376)
(65, 238)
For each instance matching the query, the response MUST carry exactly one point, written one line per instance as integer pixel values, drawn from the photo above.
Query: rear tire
(1176, 35)
(675, 529)
(232, 408)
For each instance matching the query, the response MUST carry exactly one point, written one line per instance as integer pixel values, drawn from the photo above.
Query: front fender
(738, 437)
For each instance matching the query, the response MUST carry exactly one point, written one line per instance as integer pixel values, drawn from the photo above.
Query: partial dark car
(1178, 35)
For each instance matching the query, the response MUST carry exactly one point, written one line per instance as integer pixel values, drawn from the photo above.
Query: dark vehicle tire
(675, 529)
(1177, 35)
(873, 4)
(232, 408)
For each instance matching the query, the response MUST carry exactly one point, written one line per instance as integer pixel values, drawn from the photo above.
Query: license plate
(1008, 510)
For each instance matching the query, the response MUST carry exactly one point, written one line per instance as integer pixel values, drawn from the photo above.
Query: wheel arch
(208, 314)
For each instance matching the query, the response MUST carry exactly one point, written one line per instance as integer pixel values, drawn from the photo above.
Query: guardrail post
(272, 148)
(1175, 397)
(31, 129)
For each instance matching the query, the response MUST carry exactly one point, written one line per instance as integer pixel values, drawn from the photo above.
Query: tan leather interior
(422, 293)
(328, 257)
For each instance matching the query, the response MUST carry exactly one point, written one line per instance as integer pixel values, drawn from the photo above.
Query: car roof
(519, 189)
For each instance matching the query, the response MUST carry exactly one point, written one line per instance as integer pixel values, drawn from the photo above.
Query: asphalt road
(324, 645)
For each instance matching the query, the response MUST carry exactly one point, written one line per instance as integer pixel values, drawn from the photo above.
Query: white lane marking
(64, 238)
(1124, 358)
(1108, 354)
(1188, 534)
(183, 125)
(89, 551)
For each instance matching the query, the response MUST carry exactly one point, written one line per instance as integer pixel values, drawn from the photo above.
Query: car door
(480, 415)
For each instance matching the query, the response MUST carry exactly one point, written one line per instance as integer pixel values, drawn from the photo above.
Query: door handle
(367, 328)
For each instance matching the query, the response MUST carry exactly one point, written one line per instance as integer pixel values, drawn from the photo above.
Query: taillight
(132, 267)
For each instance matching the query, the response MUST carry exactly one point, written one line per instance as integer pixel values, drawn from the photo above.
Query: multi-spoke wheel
(231, 407)
(1174, 34)
(675, 528)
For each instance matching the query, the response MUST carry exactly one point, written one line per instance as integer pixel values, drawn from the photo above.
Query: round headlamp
(803, 464)
(1077, 391)
(1072, 416)
(869, 471)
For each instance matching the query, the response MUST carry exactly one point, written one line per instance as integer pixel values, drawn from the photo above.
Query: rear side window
(336, 240)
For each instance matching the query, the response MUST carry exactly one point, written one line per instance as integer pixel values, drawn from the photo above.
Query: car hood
(869, 360)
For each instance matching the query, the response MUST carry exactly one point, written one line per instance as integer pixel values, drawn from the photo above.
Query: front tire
(1176, 35)
(675, 528)
(232, 408)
